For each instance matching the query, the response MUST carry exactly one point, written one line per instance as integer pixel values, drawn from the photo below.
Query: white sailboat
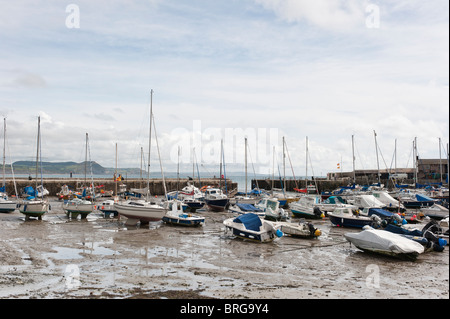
(143, 211)
(35, 207)
(6, 205)
(81, 206)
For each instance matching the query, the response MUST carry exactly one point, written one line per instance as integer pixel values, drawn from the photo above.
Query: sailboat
(143, 211)
(35, 207)
(215, 199)
(80, 206)
(6, 205)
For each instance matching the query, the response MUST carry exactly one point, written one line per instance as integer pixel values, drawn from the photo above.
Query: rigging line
(312, 169)
(253, 167)
(90, 166)
(159, 155)
(382, 157)
(292, 168)
(409, 157)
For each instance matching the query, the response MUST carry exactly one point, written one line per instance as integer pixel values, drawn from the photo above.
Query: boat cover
(334, 200)
(248, 207)
(251, 221)
(423, 198)
(377, 239)
(403, 231)
(380, 212)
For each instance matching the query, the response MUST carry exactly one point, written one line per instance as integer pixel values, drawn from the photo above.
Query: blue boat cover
(251, 221)
(248, 207)
(379, 212)
(402, 231)
(423, 198)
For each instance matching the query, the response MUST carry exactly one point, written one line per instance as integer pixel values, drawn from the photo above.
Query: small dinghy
(386, 243)
(303, 229)
(250, 226)
(176, 216)
(243, 208)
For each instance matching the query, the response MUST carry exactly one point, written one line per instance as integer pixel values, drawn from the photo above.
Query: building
(428, 171)
(432, 171)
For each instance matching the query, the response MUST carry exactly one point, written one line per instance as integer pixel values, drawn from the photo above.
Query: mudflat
(103, 258)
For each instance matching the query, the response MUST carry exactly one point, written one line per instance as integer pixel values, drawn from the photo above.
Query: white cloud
(229, 65)
(327, 14)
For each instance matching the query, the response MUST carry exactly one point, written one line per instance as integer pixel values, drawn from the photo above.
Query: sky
(314, 72)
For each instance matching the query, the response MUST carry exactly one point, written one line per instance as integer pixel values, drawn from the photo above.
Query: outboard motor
(317, 212)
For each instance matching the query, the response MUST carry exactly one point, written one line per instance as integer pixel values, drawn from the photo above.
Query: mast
(85, 161)
(306, 176)
(378, 163)
(37, 151)
(353, 160)
(448, 167)
(245, 166)
(115, 174)
(4, 153)
(178, 169)
(221, 153)
(149, 143)
(284, 163)
(415, 160)
(440, 160)
(273, 167)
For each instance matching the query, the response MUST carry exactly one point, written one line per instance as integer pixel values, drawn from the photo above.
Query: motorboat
(302, 229)
(428, 236)
(6, 205)
(367, 201)
(241, 208)
(416, 200)
(107, 208)
(386, 243)
(215, 199)
(140, 211)
(176, 215)
(271, 208)
(251, 226)
(390, 202)
(306, 207)
(78, 207)
(435, 211)
(189, 195)
(330, 203)
(350, 216)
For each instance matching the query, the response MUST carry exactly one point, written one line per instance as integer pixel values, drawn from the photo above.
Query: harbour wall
(53, 185)
(290, 184)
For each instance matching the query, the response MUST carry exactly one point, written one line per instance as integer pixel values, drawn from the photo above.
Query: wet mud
(103, 258)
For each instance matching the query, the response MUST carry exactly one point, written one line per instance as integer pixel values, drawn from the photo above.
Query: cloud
(22, 78)
(327, 14)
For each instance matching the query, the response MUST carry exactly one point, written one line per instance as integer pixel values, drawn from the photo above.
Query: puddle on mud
(92, 248)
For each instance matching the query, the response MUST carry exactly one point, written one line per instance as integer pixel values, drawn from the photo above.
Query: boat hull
(217, 205)
(385, 243)
(302, 213)
(352, 222)
(179, 221)
(144, 213)
(7, 207)
(33, 209)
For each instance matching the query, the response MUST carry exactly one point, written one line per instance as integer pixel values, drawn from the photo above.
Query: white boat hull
(7, 206)
(34, 208)
(141, 211)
